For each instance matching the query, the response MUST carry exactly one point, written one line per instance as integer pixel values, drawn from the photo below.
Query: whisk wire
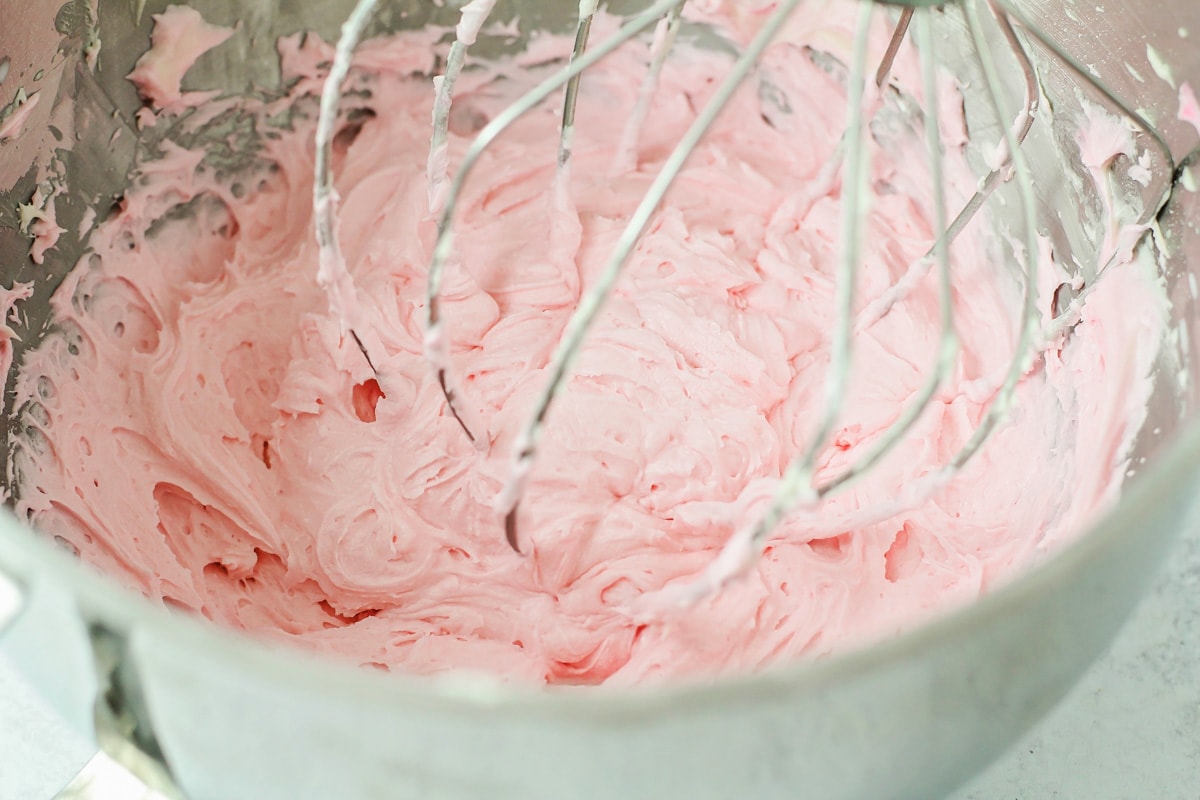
(797, 487)
(743, 549)
(583, 31)
(855, 208)
(590, 305)
(947, 349)
(473, 15)
(1012, 13)
(1022, 124)
(889, 56)
(1027, 326)
(664, 39)
(436, 343)
(444, 245)
(332, 274)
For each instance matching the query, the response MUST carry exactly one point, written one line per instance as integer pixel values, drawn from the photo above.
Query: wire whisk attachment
(803, 485)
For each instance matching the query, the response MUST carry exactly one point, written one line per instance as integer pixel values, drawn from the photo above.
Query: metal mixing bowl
(185, 704)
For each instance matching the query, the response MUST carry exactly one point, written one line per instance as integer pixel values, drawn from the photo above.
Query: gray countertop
(1129, 731)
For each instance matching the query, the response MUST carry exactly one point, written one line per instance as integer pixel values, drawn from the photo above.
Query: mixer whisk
(800, 490)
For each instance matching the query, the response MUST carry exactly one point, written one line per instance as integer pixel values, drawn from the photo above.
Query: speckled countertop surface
(1129, 731)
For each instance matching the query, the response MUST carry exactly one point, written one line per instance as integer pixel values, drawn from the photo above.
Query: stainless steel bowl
(185, 704)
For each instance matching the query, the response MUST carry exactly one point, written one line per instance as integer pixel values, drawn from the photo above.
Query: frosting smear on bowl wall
(199, 426)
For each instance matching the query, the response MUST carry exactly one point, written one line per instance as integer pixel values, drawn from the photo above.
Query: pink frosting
(9, 298)
(1189, 108)
(46, 231)
(180, 37)
(14, 125)
(203, 432)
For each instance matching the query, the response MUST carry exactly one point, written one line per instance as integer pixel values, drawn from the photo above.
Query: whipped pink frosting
(1189, 108)
(39, 217)
(22, 108)
(199, 428)
(180, 37)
